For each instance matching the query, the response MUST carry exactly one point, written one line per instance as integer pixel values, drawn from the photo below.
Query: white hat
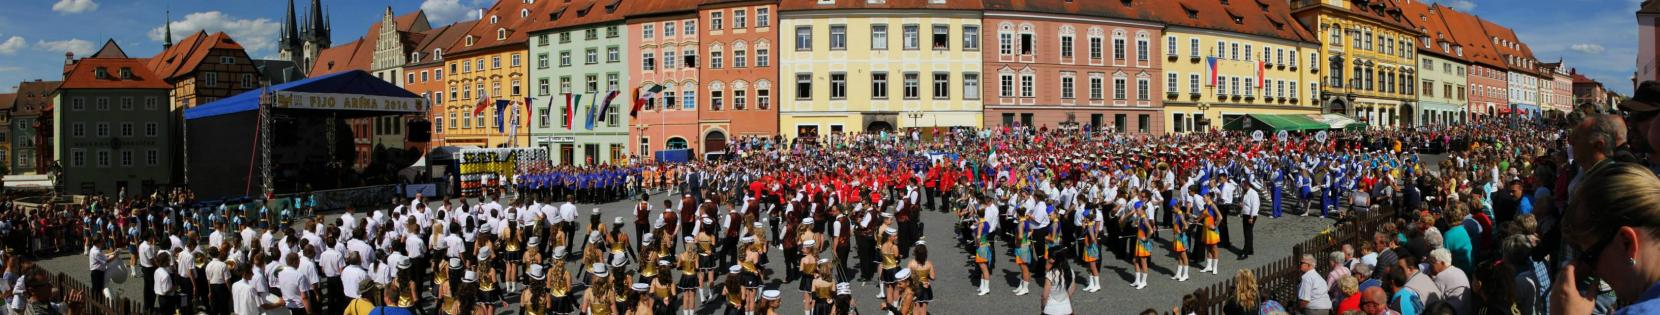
(484, 254)
(844, 288)
(892, 231)
(559, 252)
(536, 272)
(403, 264)
(770, 295)
(688, 239)
(747, 239)
(641, 286)
(596, 211)
(662, 262)
(734, 269)
(707, 220)
(807, 221)
(598, 269)
(824, 260)
(809, 243)
(616, 220)
(757, 224)
(469, 277)
(535, 240)
(455, 262)
(902, 274)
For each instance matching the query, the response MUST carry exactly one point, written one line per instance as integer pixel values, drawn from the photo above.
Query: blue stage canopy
(345, 91)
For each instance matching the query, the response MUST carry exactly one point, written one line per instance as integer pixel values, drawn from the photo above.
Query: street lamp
(916, 115)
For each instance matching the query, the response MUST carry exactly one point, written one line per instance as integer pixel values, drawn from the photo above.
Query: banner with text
(332, 101)
(488, 167)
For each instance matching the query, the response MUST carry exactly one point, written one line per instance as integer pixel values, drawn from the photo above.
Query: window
(1141, 47)
(209, 79)
(126, 103)
(613, 54)
(1095, 48)
(763, 96)
(77, 104)
(1095, 88)
(971, 86)
(103, 158)
(647, 61)
(803, 86)
(910, 38)
(942, 37)
(838, 37)
(612, 82)
(740, 18)
(1170, 84)
(761, 57)
(1066, 46)
(1118, 47)
(126, 158)
(126, 129)
(611, 31)
(1193, 47)
(740, 58)
(942, 86)
(716, 61)
(1170, 45)
(690, 28)
(77, 157)
(1005, 43)
(646, 31)
(1005, 85)
(78, 129)
(247, 80)
(515, 60)
(1067, 82)
(971, 37)
(1026, 85)
(879, 37)
(149, 103)
(1233, 85)
(668, 59)
(151, 129)
(912, 86)
(565, 58)
(591, 56)
(1119, 85)
(717, 101)
(227, 60)
(103, 130)
(668, 29)
(879, 85)
(739, 100)
(1028, 43)
(716, 21)
(1248, 52)
(495, 62)
(803, 38)
(103, 104)
(1250, 87)
(838, 85)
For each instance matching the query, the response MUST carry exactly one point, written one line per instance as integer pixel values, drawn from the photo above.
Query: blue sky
(1598, 37)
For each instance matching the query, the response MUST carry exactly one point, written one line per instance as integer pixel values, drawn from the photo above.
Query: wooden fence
(96, 303)
(1278, 279)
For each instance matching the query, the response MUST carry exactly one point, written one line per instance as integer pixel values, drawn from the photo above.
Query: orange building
(426, 68)
(738, 58)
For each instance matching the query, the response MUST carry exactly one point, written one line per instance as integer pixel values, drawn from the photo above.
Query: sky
(1597, 37)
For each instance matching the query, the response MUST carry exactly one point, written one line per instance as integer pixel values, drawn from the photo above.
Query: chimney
(68, 57)
(480, 13)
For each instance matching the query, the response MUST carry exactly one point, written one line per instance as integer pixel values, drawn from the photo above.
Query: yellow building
(1264, 63)
(1371, 57)
(490, 62)
(866, 66)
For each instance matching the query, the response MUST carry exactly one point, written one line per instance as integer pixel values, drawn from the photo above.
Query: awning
(1284, 122)
(1336, 121)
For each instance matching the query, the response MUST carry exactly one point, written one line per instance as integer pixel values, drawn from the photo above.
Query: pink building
(1078, 53)
(666, 53)
(1489, 84)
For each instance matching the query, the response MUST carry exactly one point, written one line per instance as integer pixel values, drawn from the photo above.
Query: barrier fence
(1277, 280)
(96, 302)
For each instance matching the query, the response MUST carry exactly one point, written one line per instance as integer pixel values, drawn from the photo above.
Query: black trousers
(334, 300)
(1222, 225)
(97, 282)
(1250, 223)
(221, 299)
(149, 287)
(165, 304)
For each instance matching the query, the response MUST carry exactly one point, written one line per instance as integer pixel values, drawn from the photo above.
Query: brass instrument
(201, 260)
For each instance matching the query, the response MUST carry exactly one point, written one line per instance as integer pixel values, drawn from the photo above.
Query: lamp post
(915, 115)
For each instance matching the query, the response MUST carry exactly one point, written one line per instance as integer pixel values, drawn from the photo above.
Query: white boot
(984, 287)
(1094, 283)
(1215, 265)
(1022, 289)
(881, 290)
(1185, 269)
(1142, 283)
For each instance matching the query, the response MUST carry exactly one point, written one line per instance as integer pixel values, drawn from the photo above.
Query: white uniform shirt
(291, 282)
(245, 300)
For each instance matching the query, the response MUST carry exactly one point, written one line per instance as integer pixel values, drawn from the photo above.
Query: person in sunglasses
(1613, 223)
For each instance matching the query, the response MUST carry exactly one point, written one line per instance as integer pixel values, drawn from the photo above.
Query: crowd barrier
(1277, 280)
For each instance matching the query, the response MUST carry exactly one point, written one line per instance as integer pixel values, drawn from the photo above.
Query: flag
(501, 105)
(514, 129)
(605, 107)
(570, 109)
(1260, 75)
(1210, 65)
(529, 111)
(483, 102)
(591, 103)
(642, 95)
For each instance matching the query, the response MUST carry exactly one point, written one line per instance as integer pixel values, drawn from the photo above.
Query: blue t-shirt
(1457, 241)
(1406, 302)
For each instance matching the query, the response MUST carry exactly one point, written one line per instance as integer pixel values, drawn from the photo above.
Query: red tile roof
(110, 50)
(1649, 6)
(586, 12)
(185, 56)
(1138, 9)
(795, 5)
(440, 38)
(1518, 49)
(513, 16)
(1433, 27)
(1256, 17)
(1466, 30)
(34, 96)
(355, 55)
(6, 100)
(84, 75)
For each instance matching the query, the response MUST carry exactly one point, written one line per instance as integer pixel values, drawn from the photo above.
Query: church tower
(301, 44)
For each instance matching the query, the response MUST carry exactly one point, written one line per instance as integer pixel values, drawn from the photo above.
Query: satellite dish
(1256, 136)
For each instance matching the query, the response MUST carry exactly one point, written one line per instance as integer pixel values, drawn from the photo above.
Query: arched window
(524, 12)
(493, 19)
(501, 33)
(740, 95)
(437, 54)
(717, 102)
(676, 143)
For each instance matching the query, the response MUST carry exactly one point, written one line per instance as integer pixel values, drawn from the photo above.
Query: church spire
(290, 29)
(167, 31)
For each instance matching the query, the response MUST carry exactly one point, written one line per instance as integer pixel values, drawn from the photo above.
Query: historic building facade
(741, 72)
(582, 52)
(112, 118)
(1443, 84)
(1061, 64)
(667, 56)
(427, 64)
(1255, 61)
(488, 64)
(1371, 57)
(864, 67)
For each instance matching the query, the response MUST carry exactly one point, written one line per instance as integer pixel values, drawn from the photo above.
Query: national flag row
(595, 109)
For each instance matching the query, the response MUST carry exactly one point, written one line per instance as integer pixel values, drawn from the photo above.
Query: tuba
(200, 261)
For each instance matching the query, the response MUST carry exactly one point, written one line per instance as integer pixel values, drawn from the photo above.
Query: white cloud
(1460, 5)
(1592, 49)
(255, 35)
(442, 12)
(80, 47)
(4, 69)
(74, 6)
(13, 44)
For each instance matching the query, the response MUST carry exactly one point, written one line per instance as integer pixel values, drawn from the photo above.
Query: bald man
(1375, 302)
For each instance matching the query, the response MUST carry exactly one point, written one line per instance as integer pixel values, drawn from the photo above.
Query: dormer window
(494, 19)
(438, 54)
(415, 56)
(471, 40)
(936, 1)
(501, 33)
(101, 73)
(524, 12)
(126, 73)
(826, 2)
(227, 60)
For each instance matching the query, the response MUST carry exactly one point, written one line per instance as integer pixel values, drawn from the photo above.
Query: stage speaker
(418, 131)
